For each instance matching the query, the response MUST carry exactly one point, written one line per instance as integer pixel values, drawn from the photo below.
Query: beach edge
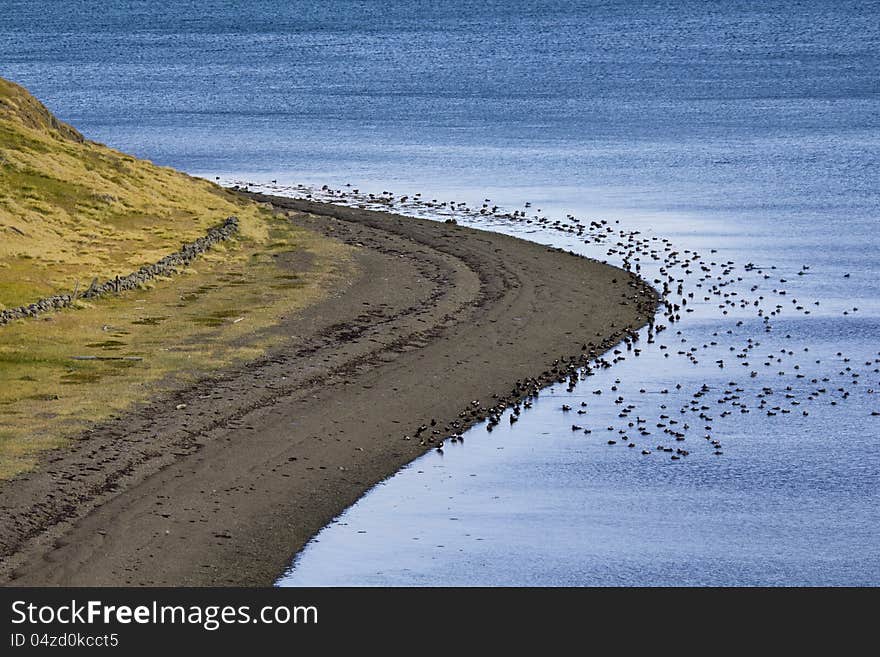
(487, 318)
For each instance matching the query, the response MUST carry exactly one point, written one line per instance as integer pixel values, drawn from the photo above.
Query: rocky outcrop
(170, 264)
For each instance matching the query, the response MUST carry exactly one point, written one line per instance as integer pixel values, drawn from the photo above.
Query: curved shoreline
(225, 491)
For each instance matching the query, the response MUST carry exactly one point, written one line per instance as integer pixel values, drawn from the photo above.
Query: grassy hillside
(72, 210)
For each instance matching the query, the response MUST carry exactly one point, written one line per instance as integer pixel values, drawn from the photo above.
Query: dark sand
(227, 490)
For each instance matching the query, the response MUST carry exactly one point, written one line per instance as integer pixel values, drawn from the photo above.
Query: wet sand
(436, 318)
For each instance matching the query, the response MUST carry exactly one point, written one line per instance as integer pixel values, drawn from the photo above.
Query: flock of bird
(748, 305)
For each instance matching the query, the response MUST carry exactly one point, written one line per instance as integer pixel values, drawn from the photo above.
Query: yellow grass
(72, 210)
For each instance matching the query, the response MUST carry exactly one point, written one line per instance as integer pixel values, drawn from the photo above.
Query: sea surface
(746, 134)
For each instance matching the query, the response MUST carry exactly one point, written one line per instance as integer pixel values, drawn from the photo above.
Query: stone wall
(170, 264)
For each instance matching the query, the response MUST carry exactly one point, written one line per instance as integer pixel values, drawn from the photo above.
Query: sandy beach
(438, 324)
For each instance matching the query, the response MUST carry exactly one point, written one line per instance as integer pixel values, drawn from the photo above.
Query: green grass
(181, 329)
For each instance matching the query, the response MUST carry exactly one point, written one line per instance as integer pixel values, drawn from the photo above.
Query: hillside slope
(72, 209)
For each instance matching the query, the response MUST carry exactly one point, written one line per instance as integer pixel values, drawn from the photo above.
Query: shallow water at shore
(751, 130)
(793, 499)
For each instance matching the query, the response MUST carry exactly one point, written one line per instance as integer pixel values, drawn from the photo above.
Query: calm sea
(748, 128)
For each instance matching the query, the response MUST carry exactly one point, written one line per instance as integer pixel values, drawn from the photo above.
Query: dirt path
(226, 490)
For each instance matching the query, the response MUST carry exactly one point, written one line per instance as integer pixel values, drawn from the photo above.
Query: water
(792, 498)
(749, 129)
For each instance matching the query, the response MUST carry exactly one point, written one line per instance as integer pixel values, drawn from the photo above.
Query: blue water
(748, 128)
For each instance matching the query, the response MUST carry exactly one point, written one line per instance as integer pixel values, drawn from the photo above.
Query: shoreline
(229, 489)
